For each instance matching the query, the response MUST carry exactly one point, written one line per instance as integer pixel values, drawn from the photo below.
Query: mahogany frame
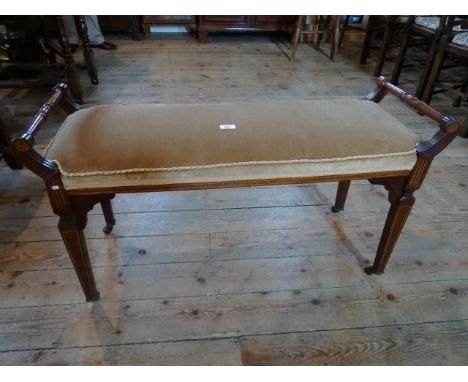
(73, 206)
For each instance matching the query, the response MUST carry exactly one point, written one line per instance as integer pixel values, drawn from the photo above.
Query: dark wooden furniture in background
(424, 42)
(452, 52)
(73, 206)
(147, 21)
(321, 25)
(5, 152)
(457, 54)
(390, 27)
(122, 24)
(43, 67)
(263, 23)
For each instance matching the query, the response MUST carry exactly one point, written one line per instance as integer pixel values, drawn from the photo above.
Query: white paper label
(227, 127)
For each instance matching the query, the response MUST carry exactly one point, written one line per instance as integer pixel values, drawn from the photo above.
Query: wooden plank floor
(255, 276)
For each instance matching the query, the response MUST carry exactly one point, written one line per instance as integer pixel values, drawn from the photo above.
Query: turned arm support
(59, 92)
(448, 125)
(23, 146)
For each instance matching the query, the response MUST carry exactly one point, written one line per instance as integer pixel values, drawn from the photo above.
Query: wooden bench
(104, 150)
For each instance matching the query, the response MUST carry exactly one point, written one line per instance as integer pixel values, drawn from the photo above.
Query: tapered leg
(73, 237)
(106, 206)
(341, 195)
(396, 218)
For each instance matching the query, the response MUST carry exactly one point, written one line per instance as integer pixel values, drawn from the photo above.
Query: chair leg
(341, 195)
(335, 33)
(73, 237)
(463, 89)
(401, 54)
(387, 39)
(343, 30)
(87, 50)
(71, 71)
(320, 31)
(296, 36)
(367, 41)
(434, 74)
(400, 208)
(106, 206)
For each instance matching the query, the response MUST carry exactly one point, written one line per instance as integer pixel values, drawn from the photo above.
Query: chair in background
(452, 54)
(422, 35)
(346, 26)
(390, 27)
(319, 26)
(34, 59)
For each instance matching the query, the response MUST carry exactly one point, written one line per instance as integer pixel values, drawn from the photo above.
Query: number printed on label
(227, 127)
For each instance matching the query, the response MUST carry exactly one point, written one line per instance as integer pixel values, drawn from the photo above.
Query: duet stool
(104, 150)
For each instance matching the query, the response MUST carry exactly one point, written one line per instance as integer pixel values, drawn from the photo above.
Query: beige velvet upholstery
(139, 145)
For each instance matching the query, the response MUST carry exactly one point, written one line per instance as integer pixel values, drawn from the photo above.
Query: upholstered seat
(461, 39)
(430, 22)
(137, 145)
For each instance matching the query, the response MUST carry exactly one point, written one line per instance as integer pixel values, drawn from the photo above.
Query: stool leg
(396, 218)
(341, 195)
(73, 237)
(106, 206)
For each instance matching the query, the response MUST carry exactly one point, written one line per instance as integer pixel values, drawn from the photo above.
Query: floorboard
(253, 276)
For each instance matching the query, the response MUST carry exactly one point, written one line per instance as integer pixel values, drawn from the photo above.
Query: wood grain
(252, 275)
(419, 344)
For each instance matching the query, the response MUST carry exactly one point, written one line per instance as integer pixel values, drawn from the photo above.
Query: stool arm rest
(22, 147)
(446, 123)
(427, 150)
(39, 119)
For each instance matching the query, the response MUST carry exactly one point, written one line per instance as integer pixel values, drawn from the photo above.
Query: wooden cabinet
(224, 21)
(130, 24)
(166, 20)
(211, 24)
